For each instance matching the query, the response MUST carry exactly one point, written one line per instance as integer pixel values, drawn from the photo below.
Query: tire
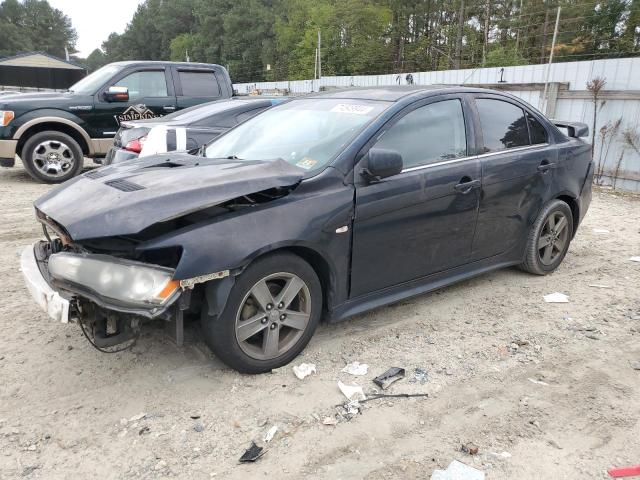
(246, 312)
(52, 157)
(549, 233)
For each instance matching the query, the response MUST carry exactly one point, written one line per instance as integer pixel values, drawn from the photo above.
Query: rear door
(151, 95)
(196, 85)
(518, 165)
(422, 220)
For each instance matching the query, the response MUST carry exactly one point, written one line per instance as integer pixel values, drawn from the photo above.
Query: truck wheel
(270, 315)
(549, 239)
(52, 157)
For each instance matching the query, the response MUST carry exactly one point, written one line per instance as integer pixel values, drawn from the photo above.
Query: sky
(94, 20)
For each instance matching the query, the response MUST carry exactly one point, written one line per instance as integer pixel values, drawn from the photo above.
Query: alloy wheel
(553, 237)
(53, 158)
(273, 316)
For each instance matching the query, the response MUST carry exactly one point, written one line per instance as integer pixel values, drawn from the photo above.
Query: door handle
(168, 108)
(545, 166)
(466, 185)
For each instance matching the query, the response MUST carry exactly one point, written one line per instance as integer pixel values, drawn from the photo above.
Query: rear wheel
(270, 315)
(52, 157)
(549, 238)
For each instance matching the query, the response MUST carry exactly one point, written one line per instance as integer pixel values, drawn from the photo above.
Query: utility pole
(460, 33)
(553, 45)
(544, 37)
(486, 32)
(518, 30)
(315, 66)
(319, 56)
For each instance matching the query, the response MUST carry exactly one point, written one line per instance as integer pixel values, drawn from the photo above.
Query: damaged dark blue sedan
(323, 207)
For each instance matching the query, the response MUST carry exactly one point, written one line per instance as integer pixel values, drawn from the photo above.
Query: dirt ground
(553, 385)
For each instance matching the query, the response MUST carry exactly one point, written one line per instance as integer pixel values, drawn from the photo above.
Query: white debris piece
(304, 370)
(330, 421)
(556, 297)
(635, 259)
(352, 392)
(598, 285)
(135, 418)
(501, 455)
(356, 368)
(537, 382)
(601, 230)
(270, 434)
(458, 471)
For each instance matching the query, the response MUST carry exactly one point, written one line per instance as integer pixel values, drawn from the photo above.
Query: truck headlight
(120, 280)
(5, 117)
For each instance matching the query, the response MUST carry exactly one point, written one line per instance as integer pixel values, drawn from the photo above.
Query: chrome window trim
(473, 157)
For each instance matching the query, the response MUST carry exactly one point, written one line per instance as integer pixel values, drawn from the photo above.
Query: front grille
(124, 185)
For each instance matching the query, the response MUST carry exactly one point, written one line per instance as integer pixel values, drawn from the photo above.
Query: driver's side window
(429, 134)
(147, 83)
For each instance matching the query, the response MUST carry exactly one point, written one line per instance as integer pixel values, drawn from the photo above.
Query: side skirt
(419, 286)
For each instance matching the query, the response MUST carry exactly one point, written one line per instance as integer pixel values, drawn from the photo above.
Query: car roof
(127, 63)
(394, 94)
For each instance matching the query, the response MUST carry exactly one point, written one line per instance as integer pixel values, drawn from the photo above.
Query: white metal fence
(568, 99)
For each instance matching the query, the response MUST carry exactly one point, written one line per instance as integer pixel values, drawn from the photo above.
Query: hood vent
(97, 173)
(124, 185)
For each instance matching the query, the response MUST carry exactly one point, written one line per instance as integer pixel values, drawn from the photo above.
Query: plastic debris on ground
(356, 368)
(352, 392)
(351, 408)
(500, 455)
(390, 376)
(420, 376)
(599, 285)
(635, 365)
(601, 230)
(304, 370)
(635, 259)
(458, 471)
(621, 472)
(537, 382)
(330, 421)
(556, 297)
(252, 453)
(270, 434)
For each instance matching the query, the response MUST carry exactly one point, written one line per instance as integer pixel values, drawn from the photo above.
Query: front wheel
(270, 315)
(549, 239)
(52, 157)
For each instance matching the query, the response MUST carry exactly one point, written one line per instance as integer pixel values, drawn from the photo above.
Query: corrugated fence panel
(621, 74)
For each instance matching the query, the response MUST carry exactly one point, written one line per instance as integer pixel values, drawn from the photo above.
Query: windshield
(307, 133)
(91, 83)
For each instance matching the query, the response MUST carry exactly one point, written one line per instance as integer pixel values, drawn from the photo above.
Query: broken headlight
(120, 280)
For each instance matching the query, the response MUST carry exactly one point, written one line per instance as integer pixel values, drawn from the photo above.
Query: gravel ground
(553, 385)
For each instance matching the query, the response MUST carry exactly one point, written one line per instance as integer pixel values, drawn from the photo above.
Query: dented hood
(125, 199)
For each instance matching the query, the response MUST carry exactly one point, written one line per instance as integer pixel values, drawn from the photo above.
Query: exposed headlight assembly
(121, 280)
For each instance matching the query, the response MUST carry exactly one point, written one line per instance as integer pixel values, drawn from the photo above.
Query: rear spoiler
(574, 129)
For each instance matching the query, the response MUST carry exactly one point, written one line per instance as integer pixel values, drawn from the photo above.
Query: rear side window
(199, 84)
(536, 130)
(503, 125)
(429, 134)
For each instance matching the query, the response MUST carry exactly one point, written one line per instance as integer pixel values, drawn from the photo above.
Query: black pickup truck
(53, 131)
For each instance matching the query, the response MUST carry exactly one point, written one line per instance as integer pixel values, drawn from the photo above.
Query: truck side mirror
(382, 163)
(116, 94)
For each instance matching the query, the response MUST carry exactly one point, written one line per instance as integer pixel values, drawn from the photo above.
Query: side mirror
(574, 129)
(382, 163)
(116, 94)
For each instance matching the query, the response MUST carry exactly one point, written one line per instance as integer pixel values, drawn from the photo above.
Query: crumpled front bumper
(50, 300)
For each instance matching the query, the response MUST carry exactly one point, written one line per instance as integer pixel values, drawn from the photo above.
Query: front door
(151, 94)
(422, 220)
(517, 168)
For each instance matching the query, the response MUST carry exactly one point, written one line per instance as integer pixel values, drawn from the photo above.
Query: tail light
(135, 145)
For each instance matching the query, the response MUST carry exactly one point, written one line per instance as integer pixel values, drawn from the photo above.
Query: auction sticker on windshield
(307, 163)
(352, 108)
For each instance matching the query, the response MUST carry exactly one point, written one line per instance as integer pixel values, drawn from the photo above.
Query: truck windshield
(91, 83)
(307, 133)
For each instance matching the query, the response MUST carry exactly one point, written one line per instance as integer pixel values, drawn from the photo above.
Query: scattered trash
(458, 471)
(469, 448)
(420, 376)
(500, 455)
(356, 368)
(198, 427)
(144, 430)
(195, 416)
(601, 230)
(270, 434)
(377, 396)
(635, 259)
(592, 336)
(554, 444)
(304, 370)
(135, 418)
(330, 421)
(620, 472)
(352, 392)
(598, 285)
(388, 377)
(537, 382)
(351, 408)
(252, 453)
(635, 365)
(556, 297)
